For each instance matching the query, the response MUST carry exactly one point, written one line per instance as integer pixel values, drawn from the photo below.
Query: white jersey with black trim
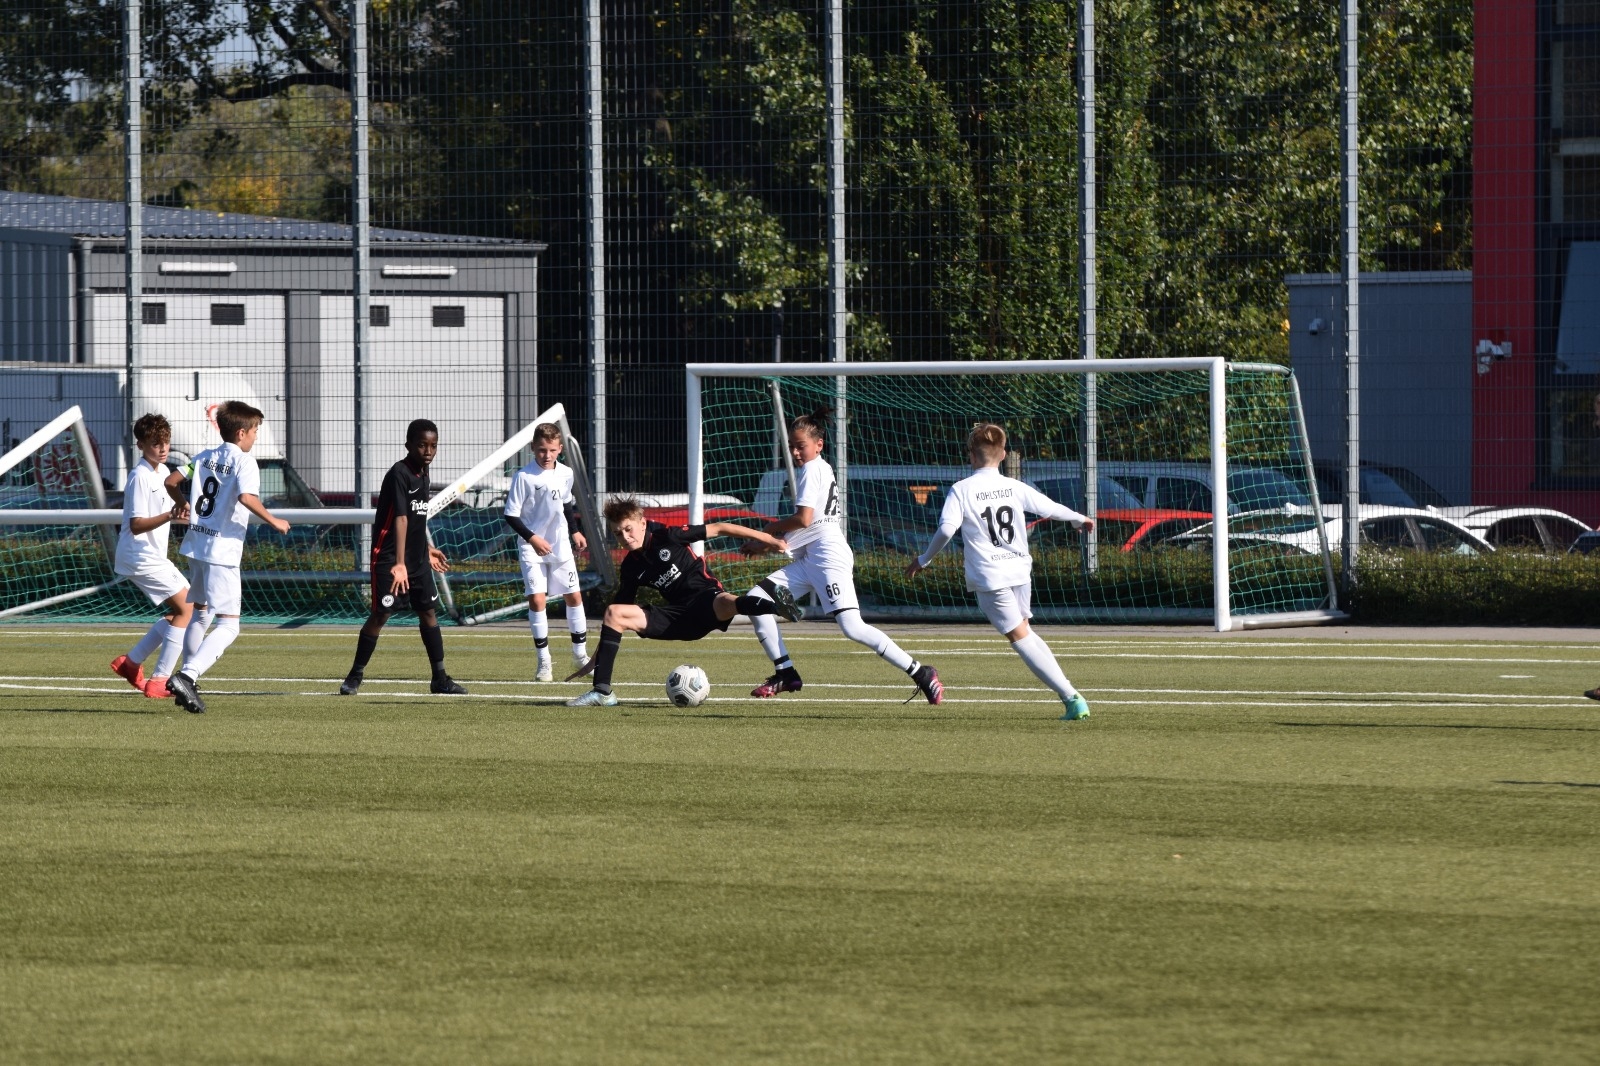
(538, 497)
(818, 489)
(217, 520)
(991, 512)
(144, 496)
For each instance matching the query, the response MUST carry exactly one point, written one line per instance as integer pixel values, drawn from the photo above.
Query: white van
(31, 396)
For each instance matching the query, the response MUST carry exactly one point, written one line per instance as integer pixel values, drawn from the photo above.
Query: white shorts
(547, 575)
(216, 586)
(1007, 608)
(159, 580)
(828, 571)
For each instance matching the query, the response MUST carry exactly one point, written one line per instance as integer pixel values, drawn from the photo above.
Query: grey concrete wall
(1417, 370)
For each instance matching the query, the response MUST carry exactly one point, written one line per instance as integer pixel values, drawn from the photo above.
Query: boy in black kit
(661, 558)
(403, 561)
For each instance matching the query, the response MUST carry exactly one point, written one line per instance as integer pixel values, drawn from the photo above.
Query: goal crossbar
(1216, 368)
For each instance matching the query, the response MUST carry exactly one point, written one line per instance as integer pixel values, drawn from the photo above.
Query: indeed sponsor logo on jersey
(671, 574)
(419, 506)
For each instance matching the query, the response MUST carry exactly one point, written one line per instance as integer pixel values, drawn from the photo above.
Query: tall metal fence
(534, 202)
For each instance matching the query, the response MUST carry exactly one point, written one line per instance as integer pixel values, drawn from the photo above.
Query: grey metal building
(1417, 370)
(453, 323)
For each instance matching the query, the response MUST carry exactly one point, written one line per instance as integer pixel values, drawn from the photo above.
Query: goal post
(57, 545)
(1206, 496)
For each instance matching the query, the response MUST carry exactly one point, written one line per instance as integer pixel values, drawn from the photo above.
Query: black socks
(606, 657)
(434, 642)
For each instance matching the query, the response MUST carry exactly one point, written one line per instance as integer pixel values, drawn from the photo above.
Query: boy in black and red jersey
(661, 558)
(403, 561)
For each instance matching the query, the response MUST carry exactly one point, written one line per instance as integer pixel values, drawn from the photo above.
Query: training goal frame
(1217, 369)
(108, 520)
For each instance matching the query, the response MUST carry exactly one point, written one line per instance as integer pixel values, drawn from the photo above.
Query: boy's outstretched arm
(254, 505)
(734, 529)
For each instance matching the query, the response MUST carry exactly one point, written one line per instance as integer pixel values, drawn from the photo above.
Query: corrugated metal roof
(105, 218)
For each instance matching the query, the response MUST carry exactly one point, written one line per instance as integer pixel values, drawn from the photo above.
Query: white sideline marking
(1057, 634)
(1126, 691)
(1307, 699)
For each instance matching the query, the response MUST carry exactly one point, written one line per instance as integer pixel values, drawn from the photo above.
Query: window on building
(1573, 422)
(448, 315)
(153, 314)
(1577, 12)
(227, 314)
(379, 314)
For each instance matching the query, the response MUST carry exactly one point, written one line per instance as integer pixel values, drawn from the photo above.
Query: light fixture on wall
(1489, 352)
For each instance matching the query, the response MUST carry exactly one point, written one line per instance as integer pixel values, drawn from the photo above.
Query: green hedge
(1506, 588)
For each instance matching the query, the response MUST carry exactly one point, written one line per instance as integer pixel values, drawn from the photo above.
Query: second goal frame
(1216, 369)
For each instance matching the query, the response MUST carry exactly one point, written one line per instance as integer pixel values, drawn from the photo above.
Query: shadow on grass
(1566, 784)
(91, 710)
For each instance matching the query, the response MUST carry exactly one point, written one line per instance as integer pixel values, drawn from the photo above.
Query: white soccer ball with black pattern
(688, 686)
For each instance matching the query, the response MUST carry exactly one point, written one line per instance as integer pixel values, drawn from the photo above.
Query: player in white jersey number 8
(989, 510)
(824, 564)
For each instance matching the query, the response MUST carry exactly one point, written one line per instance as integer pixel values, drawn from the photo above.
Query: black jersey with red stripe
(404, 492)
(666, 563)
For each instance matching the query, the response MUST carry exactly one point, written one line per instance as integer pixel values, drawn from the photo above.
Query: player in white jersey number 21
(823, 564)
(991, 512)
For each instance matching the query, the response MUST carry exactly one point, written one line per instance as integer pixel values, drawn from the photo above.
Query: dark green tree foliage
(1217, 165)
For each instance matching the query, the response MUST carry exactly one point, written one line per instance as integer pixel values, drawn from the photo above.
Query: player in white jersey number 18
(991, 511)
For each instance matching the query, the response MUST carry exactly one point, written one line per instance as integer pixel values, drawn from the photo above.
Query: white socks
(196, 632)
(222, 634)
(767, 632)
(149, 642)
(578, 626)
(171, 648)
(1036, 653)
(852, 626)
(539, 625)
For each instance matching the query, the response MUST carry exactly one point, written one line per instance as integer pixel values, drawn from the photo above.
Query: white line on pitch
(1120, 690)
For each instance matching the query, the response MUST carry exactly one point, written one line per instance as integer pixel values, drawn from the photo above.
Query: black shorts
(689, 621)
(421, 596)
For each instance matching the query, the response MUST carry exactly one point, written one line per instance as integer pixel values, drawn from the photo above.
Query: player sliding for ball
(662, 558)
(988, 508)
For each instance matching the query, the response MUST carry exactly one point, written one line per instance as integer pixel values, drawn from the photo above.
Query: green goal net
(1135, 443)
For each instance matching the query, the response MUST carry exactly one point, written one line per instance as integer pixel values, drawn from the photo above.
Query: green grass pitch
(1257, 851)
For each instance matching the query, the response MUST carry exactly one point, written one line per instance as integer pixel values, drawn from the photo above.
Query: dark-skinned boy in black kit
(403, 562)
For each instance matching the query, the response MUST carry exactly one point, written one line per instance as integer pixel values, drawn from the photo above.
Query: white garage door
(196, 331)
(436, 357)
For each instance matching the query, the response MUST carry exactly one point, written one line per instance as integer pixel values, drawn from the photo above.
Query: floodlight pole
(595, 210)
(838, 307)
(360, 238)
(133, 203)
(1350, 282)
(1089, 281)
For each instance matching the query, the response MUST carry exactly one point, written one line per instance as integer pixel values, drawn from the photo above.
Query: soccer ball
(688, 686)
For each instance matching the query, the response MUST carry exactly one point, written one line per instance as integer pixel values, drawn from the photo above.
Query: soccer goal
(58, 541)
(1197, 471)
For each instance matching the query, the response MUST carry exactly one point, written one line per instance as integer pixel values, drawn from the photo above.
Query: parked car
(1383, 528)
(1381, 483)
(1175, 486)
(898, 506)
(1539, 528)
(1586, 543)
